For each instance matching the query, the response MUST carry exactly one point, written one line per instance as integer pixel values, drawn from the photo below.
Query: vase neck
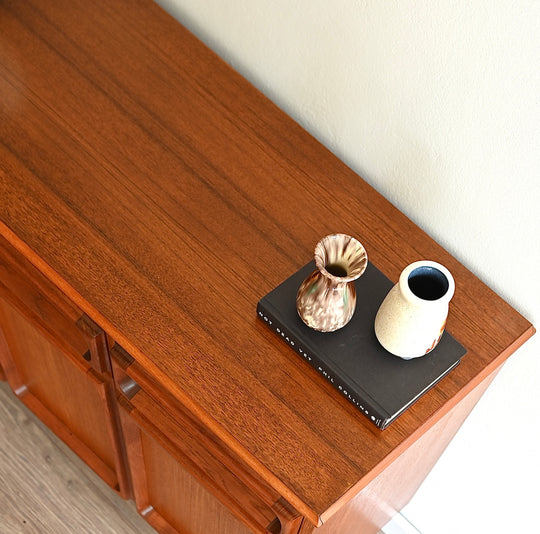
(426, 283)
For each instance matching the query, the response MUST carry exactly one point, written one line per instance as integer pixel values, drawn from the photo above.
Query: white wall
(436, 104)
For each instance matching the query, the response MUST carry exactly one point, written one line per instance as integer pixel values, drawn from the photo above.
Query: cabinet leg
(306, 528)
(7, 368)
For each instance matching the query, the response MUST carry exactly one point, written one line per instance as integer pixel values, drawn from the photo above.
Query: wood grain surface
(165, 195)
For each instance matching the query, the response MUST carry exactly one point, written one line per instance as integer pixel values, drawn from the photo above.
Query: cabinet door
(57, 367)
(168, 496)
(182, 485)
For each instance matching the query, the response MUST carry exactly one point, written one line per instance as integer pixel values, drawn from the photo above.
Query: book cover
(381, 385)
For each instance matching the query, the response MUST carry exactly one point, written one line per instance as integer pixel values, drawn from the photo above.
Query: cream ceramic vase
(326, 299)
(412, 317)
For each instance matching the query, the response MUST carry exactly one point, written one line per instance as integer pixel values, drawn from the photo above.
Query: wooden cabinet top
(165, 195)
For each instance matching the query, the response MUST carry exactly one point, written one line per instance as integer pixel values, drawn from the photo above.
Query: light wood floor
(45, 488)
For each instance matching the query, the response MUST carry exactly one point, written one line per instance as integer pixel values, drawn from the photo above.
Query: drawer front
(167, 448)
(43, 304)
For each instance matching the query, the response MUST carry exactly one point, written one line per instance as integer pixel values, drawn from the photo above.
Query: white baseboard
(399, 525)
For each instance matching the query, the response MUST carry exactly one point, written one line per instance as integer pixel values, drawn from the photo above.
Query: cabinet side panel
(180, 499)
(387, 494)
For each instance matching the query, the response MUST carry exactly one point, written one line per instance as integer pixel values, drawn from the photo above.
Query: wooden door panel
(180, 499)
(170, 498)
(173, 500)
(64, 392)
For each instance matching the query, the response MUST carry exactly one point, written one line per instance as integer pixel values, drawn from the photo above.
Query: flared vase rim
(321, 264)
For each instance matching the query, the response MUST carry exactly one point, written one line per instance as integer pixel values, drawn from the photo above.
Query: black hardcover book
(380, 384)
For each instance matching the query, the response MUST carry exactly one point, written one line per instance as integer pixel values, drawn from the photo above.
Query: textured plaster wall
(436, 104)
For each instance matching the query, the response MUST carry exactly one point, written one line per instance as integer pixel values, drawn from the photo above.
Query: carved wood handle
(128, 387)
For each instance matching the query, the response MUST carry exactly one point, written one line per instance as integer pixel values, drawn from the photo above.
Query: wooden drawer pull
(121, 357)
(128, 387)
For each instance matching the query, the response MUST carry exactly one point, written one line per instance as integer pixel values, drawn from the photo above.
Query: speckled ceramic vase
(326, 299)
(412, 317)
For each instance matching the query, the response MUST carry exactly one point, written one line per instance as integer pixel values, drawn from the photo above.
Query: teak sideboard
(149, 197)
